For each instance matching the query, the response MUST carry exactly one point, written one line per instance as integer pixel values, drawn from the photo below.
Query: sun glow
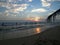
(34, 19)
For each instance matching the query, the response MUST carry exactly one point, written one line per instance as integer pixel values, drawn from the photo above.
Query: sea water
(22, 28)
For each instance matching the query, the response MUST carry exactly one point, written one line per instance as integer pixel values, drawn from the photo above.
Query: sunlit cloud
(10, 0)
(34, 18)
(30, 0)
(22, 7)
(14, 1)
(11, 8)
(14, 7)
(46, 3)
(39, 10)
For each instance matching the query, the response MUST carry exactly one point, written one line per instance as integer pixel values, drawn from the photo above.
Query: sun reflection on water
(38, 30)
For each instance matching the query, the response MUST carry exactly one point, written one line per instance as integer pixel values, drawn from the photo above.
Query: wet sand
(50, 36)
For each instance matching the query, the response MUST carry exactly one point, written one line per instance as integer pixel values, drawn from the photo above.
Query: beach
(29, 22)
(50, 35)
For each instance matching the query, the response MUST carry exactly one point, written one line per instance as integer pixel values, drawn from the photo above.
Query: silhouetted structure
(52, 17)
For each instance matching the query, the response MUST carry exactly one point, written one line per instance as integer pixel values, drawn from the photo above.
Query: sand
(49, 37)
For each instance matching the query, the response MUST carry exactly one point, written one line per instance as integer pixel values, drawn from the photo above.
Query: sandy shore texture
(49, 37)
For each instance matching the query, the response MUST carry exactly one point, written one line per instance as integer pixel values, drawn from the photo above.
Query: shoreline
(20, 33)
(50, 33)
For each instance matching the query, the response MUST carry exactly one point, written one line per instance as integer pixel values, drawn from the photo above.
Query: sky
(27, 9)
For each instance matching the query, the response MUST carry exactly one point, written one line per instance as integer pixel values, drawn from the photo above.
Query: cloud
(11, 8)
(46, 3)
(15, 1)
(22, 7)
(39, 10)
(14, 7)
(30, 0)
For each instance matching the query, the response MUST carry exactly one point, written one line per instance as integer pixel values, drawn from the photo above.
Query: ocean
(15, 29)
